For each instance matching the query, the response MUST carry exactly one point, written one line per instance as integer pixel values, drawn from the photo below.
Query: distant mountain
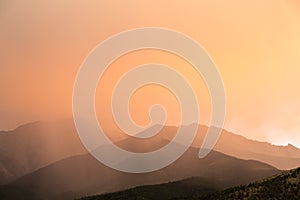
(83, 175)
(281, 157)
(283, 186)
(36, 145)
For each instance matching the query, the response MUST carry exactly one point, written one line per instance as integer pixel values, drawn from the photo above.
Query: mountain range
(46, 160)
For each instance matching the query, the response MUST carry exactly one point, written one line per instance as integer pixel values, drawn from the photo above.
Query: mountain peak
(291, 146)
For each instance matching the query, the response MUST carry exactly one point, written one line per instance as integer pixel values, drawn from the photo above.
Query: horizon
(168, 125)
(256, 53)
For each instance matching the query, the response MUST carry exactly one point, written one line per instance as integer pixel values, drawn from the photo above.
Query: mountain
(83, 175)
(183, 189)
(36, 145)
(286, 185)
(281, 157)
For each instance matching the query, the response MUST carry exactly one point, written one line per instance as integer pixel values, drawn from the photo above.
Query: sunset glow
(255, 45)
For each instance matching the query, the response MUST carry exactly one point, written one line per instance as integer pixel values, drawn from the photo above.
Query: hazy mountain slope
(281, 157)
(83, 175)
(8, 168)
(36, 145)
(283, 186)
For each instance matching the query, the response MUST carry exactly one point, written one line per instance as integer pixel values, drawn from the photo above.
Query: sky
(255, 45)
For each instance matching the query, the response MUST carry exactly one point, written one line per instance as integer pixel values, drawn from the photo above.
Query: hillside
(283, 186)
(83, 175)
(47, 159)
(36, 145)
(168, 191)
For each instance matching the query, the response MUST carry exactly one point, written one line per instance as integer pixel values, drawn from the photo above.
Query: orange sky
(255, 44)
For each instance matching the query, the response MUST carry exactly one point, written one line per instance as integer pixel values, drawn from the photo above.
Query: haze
(255, 45)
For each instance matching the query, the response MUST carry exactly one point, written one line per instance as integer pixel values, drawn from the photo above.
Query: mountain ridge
(285, 185)
(35, 145)
(83, 175)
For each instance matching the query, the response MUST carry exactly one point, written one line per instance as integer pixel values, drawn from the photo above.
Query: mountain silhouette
(281, 157)
(190, 188)
(285, 185)
(36, 145)
(83, 175)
